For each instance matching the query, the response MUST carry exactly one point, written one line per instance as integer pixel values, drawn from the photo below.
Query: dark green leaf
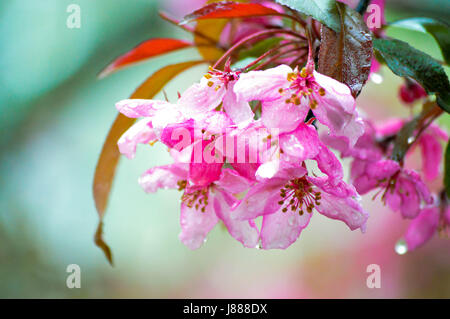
(324, 11)
(438, 30)
(407, 61)
(346, 55)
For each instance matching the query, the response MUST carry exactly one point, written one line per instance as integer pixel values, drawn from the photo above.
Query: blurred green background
(54, 117)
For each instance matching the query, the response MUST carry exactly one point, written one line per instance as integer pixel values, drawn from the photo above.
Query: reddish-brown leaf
(346, 56)
(228, 9)
(145, 50)
(109, 157)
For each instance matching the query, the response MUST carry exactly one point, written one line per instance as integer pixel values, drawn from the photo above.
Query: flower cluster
(254, 141)
(292, 176)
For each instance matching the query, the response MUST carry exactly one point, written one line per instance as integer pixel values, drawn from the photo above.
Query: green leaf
(437, 29)
(242, 63)
(447, 170)
(346, 55)
(407, 61)
(259, 48)
(324, 11)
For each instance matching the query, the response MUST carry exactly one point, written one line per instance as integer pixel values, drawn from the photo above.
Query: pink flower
(287, 201)
(287, 95)
(429, 142)
(426, 224)
(377, 143)
(203, 206)
(216, 88)
(411, 92)
(403, 189)
(366, 148)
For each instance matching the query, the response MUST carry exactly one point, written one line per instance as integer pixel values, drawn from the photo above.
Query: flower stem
(253, 37)
(267, 53)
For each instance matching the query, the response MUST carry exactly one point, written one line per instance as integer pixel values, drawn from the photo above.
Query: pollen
(208, 76)
(313, 104)
(210, 83)
(298, 195)
(197, 199)
(304, 73)
(291, 76)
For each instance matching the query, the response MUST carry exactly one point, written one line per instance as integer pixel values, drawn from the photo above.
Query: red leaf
(346, 56)
(227, 9)
(145, 50)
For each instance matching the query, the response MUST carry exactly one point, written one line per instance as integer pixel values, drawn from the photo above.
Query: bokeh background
(54, 117)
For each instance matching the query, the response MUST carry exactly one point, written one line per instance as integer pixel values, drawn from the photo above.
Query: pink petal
(329, 164)
(404, 199)
(281, 115)
(178, 135)
(337, 188)
(262, 85)
(367, 175)
(431, 155)
(232, 182)
(261, 199)
(195, 225)
(347, 210)
(140, 133)
(163, 177)
(420, 186)
(202, 174)
(422, 228)
(279, 230)
(135, 108)
(247, 170)
(303, 143)
(337, 94)
(201, 97)
(237, 109)
(204, 170)
(390, 127)
(244, 231)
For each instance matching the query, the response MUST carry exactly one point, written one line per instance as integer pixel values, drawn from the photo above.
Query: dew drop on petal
(376, 78)
(401, 247)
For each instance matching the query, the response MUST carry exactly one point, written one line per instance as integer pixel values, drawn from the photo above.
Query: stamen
(197, 198)
(298, 193)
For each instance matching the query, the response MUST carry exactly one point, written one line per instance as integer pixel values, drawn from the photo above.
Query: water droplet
(410, 140)
(401, 247)
(376, 78)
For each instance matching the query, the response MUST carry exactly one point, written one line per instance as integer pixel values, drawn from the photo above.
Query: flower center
(197, 198)
(224, 77)
(302, 86)
(298, 195)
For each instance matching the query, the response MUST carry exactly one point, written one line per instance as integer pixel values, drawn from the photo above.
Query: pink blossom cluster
(212, 128)
(294, 175)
